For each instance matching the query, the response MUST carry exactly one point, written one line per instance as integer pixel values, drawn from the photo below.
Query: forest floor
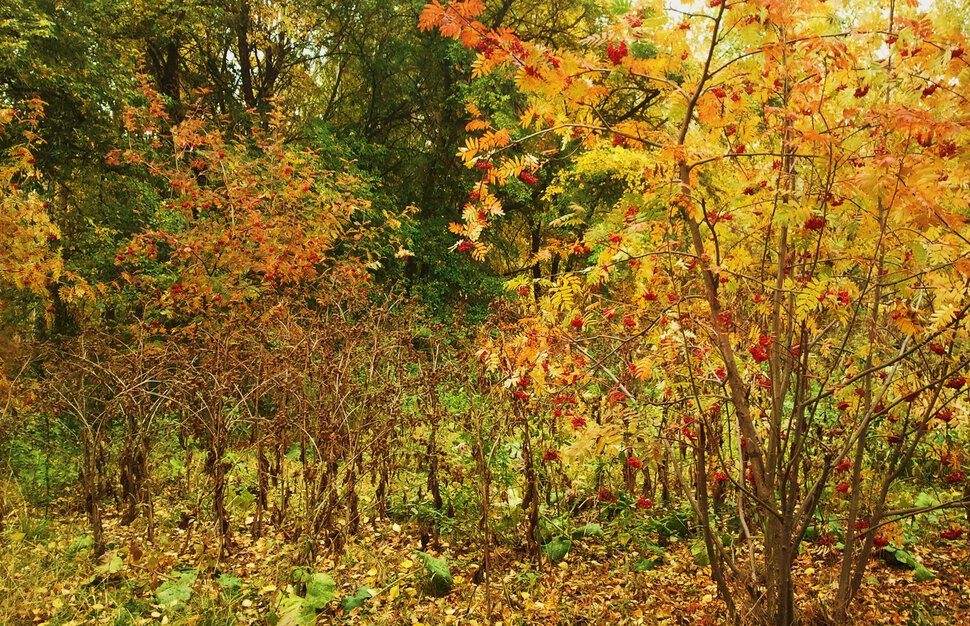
(49, 576)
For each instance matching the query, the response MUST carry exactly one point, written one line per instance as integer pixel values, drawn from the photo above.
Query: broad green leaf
(320, 590)
(699, 551)
(924, 574)
(589, 530)
(647, 564)
(231, 585)
(557, 549)
(175, 593)
(439, 576)
(352, 602)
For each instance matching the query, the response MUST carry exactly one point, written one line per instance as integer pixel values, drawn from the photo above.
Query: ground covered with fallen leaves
(49, 576)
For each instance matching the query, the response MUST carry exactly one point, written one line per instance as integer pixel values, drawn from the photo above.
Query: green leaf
(294, 611)
(352, 602)
(175, 593)
(557, 549)
(231, 585)
(648, 564)
(699, 551)
(440, 581)
(113, 564)
(898, 556)
(294, 453)
(644, 49)
(320, 590)
(243, 501)
(924, 574)
(589, 530)
(925, 500)
(621, 7)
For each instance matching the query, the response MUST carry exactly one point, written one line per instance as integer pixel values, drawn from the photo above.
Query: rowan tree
(775, 301)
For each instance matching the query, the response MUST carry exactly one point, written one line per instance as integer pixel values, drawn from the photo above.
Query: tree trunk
(780, 600)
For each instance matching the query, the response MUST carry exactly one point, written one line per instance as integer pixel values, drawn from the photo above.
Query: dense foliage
(519, 280)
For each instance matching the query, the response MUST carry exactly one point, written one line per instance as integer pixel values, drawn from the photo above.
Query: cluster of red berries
(760, 352)
(616, 52)
(816, 222)
(606, 495)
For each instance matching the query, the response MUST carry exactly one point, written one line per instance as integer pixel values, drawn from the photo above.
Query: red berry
(616, 52)
(816, 222)
(577, 323)
(634, 463)
(759, 353)
(880, 542)
(606, 495)
(644, 503)
(842, 487)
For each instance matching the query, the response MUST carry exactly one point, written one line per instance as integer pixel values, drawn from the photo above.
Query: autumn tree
(778, 291)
